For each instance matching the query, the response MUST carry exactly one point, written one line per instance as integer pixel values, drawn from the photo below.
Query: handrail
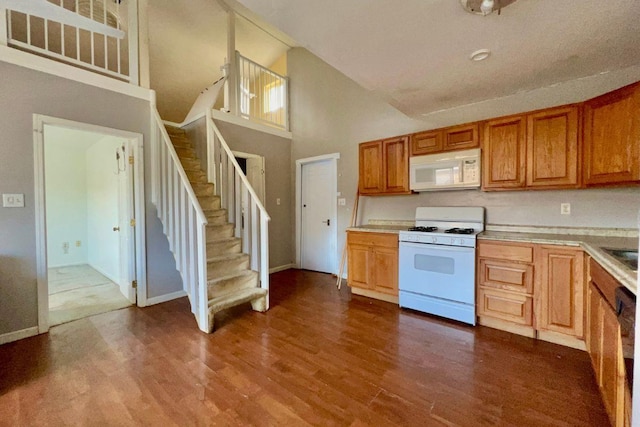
(252, 223)
(237, 167)
(184, 222)
(183, 175)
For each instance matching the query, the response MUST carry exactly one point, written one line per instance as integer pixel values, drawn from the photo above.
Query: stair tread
(232, 276)
(228, 257)
(235, 298)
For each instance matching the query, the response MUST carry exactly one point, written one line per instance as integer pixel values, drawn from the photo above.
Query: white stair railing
(182, 217)
(239, 198)
(66, 31)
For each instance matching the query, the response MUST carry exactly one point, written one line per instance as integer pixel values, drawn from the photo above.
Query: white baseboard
(105, 274)
(281, 268)
(18, 335)
(73, 264)
(167, 297)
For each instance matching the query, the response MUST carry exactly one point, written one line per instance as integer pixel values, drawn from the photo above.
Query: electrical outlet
(13, 200)
(278, 201)
(565, 208)
(342, 201)
(65, 247)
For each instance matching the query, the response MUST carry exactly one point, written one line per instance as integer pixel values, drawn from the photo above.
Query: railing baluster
(264, 254)
(193, 253)
(246, 223)
(254, 235)
(183, 235)
(6, 32)
(237, 218)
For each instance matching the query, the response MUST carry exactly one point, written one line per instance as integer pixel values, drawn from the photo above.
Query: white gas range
(437, 262)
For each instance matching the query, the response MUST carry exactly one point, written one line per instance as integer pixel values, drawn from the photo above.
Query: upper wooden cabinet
(537, 150)
(384, 167)
(612, 138)
(503, 154)
(429, 142)
(552, 148)
(448, 139)
(461, 137)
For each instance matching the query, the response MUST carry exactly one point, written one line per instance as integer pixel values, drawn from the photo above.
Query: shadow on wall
(15, 274)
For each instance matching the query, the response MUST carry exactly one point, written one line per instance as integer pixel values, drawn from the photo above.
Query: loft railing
(62, 30)
(182, 217)
(241, 202)
(263, 95)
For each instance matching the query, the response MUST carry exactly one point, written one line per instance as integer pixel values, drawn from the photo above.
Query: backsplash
(611, 208)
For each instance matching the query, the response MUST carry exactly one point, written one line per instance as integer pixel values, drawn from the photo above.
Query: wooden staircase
(230, 281)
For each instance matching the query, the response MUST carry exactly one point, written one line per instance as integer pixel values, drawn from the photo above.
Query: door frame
(244, 155)
(136, 141)
(333, 157)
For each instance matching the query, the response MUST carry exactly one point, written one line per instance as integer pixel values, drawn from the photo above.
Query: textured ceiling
(415, 53)
(188, 45)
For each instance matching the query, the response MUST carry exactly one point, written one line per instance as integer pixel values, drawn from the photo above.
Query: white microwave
(445, 171)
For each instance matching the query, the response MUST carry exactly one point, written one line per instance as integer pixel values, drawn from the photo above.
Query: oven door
(445, 272)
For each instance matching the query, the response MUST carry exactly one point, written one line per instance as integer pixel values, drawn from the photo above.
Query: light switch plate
(13, 200)
(565, 208)
(342, 201)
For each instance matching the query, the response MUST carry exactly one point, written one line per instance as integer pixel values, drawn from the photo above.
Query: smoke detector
(484, 7)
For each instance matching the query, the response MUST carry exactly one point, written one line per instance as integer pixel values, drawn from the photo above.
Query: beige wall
(277, 156)
(280, 65)
(24, 92)
(331, 113)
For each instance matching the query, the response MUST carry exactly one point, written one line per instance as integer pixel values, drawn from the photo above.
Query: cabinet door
(560, 295)
(507, 306)
(426, 143)
(612, 138)
(385, 264)
(359, 266)
(594, 330)
(371, 167)
(506, 275)
(396, 165)
(552, 148)
(461, 137)
(503, 155)
(612, 377)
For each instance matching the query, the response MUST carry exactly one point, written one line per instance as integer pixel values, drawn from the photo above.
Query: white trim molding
(239, 121)
(69, 72)
(166, 297)
(136, 141)
(18, 335)
(281, 268)
(334, 157)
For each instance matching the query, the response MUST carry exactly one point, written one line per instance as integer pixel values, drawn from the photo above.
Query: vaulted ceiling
(415, 53)
(188, 45)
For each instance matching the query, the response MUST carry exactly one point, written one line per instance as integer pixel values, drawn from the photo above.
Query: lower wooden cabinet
(373, 264)
(534, 290)
(604, 343)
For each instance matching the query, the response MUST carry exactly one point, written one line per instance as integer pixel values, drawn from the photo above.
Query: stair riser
(224, 248)
(192, 165)
(232, 285)
(186, 153)
(209, 203)
(219, 232)
(227, 267)
(196, 176)
(203, 189)
(217, 219)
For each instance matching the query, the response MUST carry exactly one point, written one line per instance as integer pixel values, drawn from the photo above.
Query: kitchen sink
(628, 257)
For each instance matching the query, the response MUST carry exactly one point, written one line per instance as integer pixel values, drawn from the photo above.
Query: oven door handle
(437, 247)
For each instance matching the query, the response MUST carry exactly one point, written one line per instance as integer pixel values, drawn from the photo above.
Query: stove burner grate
(424, 229)
(457, 230)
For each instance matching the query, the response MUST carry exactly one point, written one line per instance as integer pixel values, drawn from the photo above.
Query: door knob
(328, 222)
(116, 228)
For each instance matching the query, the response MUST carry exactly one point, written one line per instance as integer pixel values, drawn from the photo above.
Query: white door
(318, 224)
(255, 175)
(126, 221)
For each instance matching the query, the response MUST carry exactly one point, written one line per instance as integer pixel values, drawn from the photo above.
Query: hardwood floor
(320, 356)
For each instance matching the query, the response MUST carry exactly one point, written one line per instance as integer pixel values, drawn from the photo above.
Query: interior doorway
(88, 197)
(253, 167)
(316, 212)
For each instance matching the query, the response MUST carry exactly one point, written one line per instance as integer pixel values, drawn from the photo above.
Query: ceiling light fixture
(484, 7)
(480, 55)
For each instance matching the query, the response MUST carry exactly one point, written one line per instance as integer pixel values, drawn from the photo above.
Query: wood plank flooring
(319, 357)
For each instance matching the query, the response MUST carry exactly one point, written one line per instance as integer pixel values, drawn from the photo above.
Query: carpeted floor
(80, 291)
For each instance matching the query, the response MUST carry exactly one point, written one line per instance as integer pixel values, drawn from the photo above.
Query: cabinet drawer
(604, 282)
(372, 239)
(506, 275)
(505, 306)
(506, 251)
